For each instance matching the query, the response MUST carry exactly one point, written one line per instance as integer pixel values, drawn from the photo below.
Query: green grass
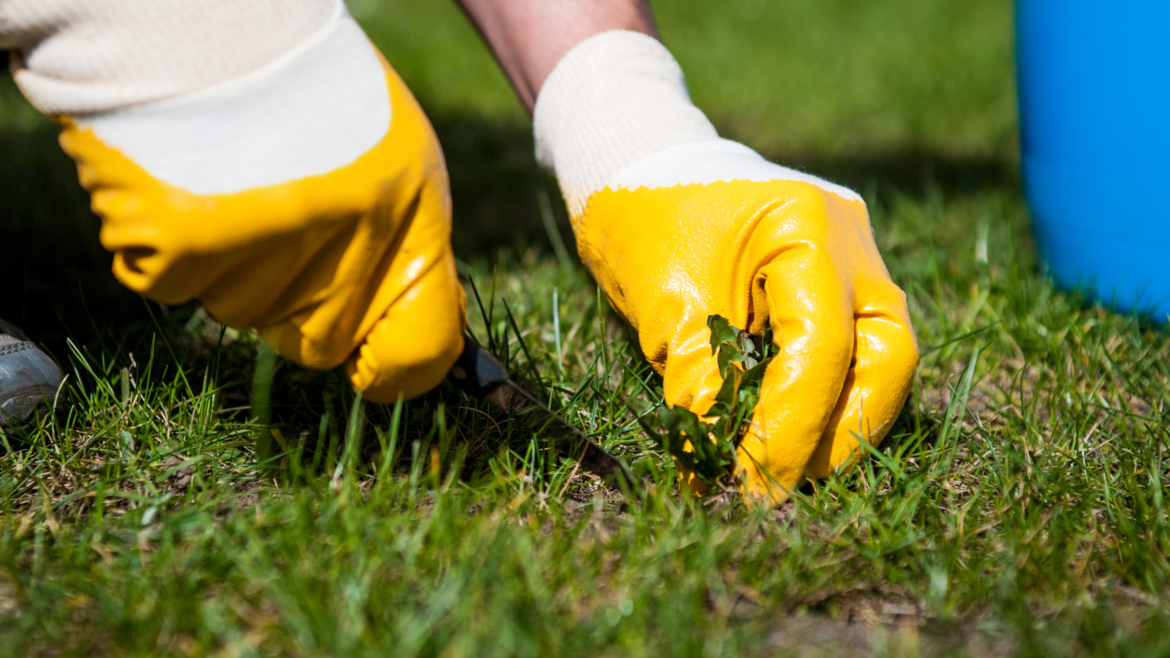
(1016, 508)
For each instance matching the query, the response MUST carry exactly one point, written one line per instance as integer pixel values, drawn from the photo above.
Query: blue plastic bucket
(1094, 89)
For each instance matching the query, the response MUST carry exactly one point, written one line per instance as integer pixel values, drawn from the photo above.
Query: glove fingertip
(388, 367)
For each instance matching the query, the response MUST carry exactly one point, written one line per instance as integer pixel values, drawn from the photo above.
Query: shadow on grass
(912, 172)
(55, 279)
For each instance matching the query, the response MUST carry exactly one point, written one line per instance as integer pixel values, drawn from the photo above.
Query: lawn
(1017, 507)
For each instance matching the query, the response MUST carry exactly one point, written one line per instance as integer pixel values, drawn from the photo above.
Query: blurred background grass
(897, 98)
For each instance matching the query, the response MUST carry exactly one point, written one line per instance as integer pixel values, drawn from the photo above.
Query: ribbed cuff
(614, 99)
(88, 56)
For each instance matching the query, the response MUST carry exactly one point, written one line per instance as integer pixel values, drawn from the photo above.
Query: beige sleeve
(86, 56)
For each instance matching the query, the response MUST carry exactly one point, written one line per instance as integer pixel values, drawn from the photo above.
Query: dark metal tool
(478, 373)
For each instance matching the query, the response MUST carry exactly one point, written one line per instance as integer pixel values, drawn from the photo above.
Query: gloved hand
(308, 200)
(682, 225)
(711, 228)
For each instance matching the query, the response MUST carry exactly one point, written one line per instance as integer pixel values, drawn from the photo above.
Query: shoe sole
(25, 404)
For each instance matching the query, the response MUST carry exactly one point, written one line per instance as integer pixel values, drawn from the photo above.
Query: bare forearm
(529, 37)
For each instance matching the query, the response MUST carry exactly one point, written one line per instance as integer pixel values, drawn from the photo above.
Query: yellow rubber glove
(794, 253)
(351, 264)
(676, 225)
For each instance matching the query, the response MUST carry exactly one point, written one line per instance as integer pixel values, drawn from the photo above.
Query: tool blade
(479, 373)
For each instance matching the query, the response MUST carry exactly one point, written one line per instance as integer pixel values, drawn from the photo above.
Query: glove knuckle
(902, 355)
(833, 339)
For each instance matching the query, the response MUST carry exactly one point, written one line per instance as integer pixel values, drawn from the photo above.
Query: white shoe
(28, 377)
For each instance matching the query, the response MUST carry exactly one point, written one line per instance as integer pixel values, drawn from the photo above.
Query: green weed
(742, 360)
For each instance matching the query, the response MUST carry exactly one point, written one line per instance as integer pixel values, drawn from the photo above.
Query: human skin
(529, 37)
(681, 225)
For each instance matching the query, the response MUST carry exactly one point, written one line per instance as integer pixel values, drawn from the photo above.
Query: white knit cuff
(612, 100)
(85, 56)
(319, 107)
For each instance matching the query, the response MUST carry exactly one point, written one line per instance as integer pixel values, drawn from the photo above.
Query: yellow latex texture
(352, 266)
(784, 252)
